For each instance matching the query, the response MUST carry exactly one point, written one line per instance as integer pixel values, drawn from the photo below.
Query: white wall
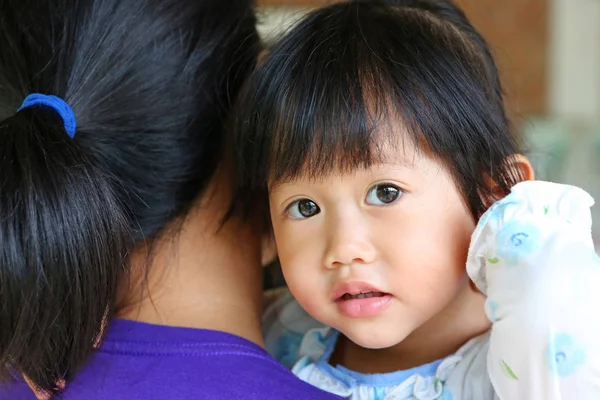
(574, 91)
(575, 59)
(273, 21)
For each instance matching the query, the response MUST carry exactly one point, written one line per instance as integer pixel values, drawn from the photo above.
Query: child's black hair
(151, 83)
(350, 76)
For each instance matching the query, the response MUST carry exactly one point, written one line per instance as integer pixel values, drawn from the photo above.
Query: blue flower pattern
(516, 240)
(495, 212)
(565, 355)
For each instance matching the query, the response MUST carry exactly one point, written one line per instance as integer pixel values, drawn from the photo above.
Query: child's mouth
(363, 304)
(362, 295)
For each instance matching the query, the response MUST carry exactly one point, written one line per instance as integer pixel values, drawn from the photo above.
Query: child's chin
(376, 341)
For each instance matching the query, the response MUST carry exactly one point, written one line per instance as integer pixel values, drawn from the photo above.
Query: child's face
(398, 233)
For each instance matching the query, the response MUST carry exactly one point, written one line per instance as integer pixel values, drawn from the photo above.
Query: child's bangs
(335, 123)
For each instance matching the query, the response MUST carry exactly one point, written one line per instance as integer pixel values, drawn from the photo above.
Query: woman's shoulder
(17, 390)
(148, 361)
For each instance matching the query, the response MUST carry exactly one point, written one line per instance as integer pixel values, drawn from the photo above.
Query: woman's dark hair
(151, 83)
(348, 74)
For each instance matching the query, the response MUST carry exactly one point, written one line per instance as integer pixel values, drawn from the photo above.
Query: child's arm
(533, 256)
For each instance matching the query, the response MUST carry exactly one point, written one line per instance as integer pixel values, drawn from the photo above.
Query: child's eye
(383, 194)
(301, 209)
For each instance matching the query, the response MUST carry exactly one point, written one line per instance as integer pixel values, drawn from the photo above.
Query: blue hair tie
(57, 104)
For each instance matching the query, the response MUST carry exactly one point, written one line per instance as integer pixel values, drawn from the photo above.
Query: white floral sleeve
(532, 255)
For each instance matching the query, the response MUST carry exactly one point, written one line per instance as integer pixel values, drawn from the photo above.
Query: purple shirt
(144, 361)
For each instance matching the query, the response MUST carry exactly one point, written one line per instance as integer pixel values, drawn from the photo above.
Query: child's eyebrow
(282, 184)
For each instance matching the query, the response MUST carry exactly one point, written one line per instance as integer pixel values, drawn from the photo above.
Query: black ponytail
(64, 236)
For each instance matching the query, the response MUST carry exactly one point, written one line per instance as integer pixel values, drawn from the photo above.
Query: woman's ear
(520, 167)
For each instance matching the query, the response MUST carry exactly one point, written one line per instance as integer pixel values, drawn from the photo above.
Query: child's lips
(363, 306)
(360, 299)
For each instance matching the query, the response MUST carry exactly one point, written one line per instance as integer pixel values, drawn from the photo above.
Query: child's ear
(268, 248)
(520, 167)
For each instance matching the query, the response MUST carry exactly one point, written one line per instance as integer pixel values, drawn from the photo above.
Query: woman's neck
(203, 276)
(440, 337)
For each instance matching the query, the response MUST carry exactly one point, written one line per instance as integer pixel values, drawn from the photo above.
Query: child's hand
(532, 255)
(518, 226)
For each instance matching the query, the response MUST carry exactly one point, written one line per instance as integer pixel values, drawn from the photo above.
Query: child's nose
(349, 243)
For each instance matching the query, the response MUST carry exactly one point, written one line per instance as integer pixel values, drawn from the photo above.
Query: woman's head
(378, 131)
(151, 85)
